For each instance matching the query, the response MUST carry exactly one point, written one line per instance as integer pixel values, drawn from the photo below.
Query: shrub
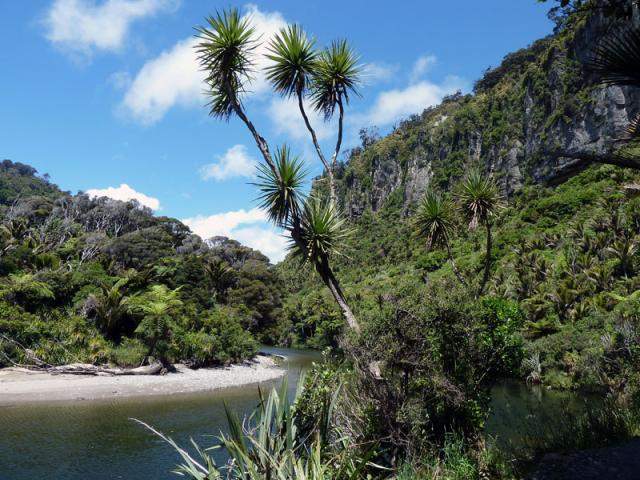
(220, 340)
(130, 353)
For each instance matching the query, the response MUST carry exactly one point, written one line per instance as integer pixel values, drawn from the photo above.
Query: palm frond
(281, 191)
(616, 58)
(336, 75)
(633, 129)
(322, 230)
(293, 60)
(224, 52)
(434, 220)
(478, 198)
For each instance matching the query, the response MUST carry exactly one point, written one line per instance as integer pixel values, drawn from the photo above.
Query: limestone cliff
(540, 101)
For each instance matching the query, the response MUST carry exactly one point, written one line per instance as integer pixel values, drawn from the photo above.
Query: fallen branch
(75, 368)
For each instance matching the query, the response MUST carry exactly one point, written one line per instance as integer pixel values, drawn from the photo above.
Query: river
(98, 441)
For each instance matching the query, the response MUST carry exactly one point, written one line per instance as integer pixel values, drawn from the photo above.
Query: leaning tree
(227, 53)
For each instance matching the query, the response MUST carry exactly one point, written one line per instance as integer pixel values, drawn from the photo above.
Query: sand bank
(22, 386)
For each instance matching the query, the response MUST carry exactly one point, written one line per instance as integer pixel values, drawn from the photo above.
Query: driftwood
(88, 369)
(77, 368)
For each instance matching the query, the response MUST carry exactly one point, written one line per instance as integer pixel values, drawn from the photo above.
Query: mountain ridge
(523, 119)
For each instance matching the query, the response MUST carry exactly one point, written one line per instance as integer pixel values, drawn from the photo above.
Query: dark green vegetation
(493, 236)
(99, 280)
(521, 261)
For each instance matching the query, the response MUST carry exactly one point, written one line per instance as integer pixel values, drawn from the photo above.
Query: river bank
(23, 386)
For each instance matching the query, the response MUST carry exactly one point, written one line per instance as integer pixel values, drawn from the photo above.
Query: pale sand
(23, 386)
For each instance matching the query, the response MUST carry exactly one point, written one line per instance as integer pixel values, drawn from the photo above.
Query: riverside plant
(227, 54)
(269, 444)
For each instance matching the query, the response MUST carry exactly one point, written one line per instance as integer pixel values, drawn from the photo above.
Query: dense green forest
(495, 236)
(96, 280)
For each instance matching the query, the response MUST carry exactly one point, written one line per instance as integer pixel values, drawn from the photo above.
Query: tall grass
(268, 445)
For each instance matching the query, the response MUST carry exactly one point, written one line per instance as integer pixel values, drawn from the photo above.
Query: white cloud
(172, 78)
(378, 72)
(270, 242)
(175, 78)
(421, 66)
(286, 118)
(84, 26)
(247, 226)
(124, 192)
(393, 105)
(266, 24)
(236, 162)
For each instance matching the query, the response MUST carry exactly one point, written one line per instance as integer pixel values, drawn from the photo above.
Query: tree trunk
(322, 266)
(262, 144)
(487, 260)
(334, 160)
(454, 267)
(329, 279)
(316, 144)
(608, 158)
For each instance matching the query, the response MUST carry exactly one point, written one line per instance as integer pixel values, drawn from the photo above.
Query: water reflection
(77, 441)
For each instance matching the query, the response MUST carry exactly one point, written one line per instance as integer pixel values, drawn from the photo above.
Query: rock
(544, 122)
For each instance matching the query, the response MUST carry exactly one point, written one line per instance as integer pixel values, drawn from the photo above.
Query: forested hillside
(97, 280)
(565, 237)
(493, 238)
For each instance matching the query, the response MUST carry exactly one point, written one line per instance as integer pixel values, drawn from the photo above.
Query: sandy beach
(23, 386)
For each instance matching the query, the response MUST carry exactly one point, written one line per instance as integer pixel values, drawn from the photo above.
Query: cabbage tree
(479, 201)
(226, 51)
(435, 223)
(326, 78)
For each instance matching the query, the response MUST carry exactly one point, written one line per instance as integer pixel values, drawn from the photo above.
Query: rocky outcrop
(542, 106)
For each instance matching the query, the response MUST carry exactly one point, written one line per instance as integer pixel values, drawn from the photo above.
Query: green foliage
(434, 221)
(217, 339)
(336, 75)
(456, 461)
(281, 193)
(20, 180)
(130, 353)
(439, 360)
(294, 61)
(225, 53)
(478, 198)
(80, 273)
(322, 231)
(158, 307)
(269, 445)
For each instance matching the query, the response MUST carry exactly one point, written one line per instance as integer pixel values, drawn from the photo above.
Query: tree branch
(262, 144)
(316, 144)
(609, 158)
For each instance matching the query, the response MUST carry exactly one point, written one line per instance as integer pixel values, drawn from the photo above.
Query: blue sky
(105, 95)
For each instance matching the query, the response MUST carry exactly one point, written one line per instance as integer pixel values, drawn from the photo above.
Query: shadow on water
(97, 440)
(525, 417)
(78, 441)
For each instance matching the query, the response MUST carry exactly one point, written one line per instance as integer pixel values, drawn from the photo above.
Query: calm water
(520, 415)
(96, 441)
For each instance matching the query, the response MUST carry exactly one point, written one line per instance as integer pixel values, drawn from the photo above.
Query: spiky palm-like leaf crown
(293, 60)
(434, 220)
(336, 75)
(225, 54)
(281, 191)
(479, 198)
